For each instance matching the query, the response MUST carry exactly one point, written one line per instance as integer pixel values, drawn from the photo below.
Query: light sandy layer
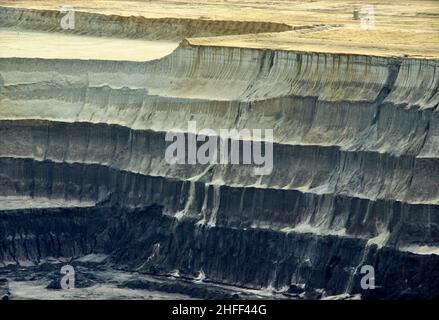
(402, 27)
(17, 203)
(31, 44)
(426, 250)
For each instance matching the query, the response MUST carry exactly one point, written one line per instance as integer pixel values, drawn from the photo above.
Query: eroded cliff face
(355, 177)
(136, 27)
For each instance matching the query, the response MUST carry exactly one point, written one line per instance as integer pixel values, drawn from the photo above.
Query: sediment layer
(355, 175)
(136, 27)
(148, 241)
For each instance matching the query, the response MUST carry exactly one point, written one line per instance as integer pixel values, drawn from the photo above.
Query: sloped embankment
(136, 27)
(355, 177)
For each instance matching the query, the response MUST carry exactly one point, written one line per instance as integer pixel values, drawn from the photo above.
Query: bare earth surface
(401, 27)
(354, 173)
(32, 44)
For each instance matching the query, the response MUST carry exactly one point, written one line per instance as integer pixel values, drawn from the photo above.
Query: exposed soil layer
(355, 177)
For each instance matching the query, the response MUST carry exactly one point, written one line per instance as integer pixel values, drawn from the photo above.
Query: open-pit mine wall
(135, 27)
(355, 177)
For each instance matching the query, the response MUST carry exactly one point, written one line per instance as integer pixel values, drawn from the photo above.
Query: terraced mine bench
(355, 177)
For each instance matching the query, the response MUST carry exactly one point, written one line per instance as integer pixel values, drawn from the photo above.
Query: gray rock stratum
(355, 177)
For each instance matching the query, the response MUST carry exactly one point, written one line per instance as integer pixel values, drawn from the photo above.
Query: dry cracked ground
(349, 88)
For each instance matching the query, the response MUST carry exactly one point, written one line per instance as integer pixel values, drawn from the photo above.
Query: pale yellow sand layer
(31, 44)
